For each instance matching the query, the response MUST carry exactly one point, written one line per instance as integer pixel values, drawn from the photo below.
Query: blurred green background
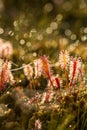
(38, 14)
(44, 26)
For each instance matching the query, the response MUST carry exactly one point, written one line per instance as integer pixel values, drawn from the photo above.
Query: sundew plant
(56, 105)
(70, 75)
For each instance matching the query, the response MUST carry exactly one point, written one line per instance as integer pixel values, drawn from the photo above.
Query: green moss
(53, 124)
(25, 117)
(11, 126)
(54, 119)
(66, 122)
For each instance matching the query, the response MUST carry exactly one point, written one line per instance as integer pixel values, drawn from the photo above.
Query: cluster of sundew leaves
(71, 67)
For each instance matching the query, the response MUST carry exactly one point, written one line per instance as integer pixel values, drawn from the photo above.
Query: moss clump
(11, 126)
(55, 118)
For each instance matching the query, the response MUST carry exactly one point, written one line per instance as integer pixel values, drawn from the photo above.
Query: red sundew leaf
(74, 70)
(28, 71)
(74, 67)
(37, 68)
(47, 96)
(46, 65)
(4, 76)
(11, 78)
(57, 82)
(46, 68)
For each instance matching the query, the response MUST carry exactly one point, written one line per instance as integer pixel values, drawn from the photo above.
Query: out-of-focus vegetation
(37, 27)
